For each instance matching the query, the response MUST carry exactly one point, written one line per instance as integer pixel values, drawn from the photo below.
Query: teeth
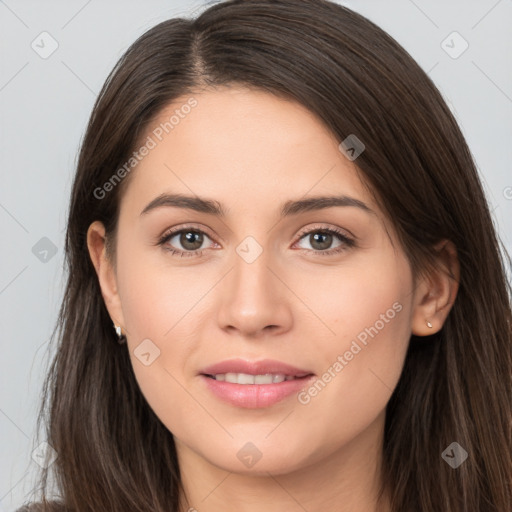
(244, 378)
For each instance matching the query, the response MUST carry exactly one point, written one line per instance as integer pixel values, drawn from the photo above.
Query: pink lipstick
(254, 384)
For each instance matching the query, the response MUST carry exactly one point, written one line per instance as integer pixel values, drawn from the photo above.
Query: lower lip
(255, 396)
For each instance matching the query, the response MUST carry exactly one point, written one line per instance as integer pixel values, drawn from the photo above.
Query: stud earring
(121, 338)
(429, 325)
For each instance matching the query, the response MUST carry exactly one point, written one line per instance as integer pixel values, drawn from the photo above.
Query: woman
(285, 288)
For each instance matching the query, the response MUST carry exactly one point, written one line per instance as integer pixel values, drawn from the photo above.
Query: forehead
(243, 147)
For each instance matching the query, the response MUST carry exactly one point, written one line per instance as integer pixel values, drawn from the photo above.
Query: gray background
(44, 107)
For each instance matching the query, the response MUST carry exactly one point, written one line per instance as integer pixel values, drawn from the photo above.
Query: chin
(259, 458)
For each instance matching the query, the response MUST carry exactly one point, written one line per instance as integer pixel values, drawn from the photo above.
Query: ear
(105, 271)
(436, 293)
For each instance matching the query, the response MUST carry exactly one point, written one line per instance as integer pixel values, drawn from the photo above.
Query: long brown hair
(113, 452)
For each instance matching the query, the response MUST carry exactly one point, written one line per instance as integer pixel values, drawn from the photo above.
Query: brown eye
(191, 240)
(184, 242)
(325, 241)
(320, 241)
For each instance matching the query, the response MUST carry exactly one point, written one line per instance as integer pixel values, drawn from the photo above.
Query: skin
(251, 152)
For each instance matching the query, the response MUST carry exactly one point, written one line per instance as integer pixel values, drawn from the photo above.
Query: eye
(184, 242)
(188, 241)
(321, 239)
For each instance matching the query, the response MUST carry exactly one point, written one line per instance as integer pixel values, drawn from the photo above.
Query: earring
(429, 325)
(121, 338)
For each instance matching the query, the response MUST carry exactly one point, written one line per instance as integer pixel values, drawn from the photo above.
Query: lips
(263, 367)
(247, 384)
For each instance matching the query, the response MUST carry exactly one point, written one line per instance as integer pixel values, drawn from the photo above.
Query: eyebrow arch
(289, 208)
(188, 202)
(321, 202)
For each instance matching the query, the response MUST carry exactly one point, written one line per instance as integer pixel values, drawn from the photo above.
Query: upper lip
(261, 367)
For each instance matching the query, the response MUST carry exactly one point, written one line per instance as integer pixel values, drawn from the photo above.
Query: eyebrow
(212, 207)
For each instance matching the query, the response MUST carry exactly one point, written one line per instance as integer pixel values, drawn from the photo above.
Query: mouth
(253, 372)
(254, 384)
(247, 378)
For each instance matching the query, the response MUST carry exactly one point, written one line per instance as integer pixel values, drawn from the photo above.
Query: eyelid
(325, 227)
(190, 226)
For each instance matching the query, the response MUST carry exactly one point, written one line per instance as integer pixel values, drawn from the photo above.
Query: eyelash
(347, 242)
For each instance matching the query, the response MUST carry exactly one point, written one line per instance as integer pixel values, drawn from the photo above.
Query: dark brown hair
(113, 452)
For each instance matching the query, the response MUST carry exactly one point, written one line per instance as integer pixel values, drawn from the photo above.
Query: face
(323, 288)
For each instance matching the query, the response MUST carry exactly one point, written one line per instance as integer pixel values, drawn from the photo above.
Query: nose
(255, 300)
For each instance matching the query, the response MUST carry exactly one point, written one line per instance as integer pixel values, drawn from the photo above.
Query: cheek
(157, 297)
(361, 298)
(163, 312)
(366, 306)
